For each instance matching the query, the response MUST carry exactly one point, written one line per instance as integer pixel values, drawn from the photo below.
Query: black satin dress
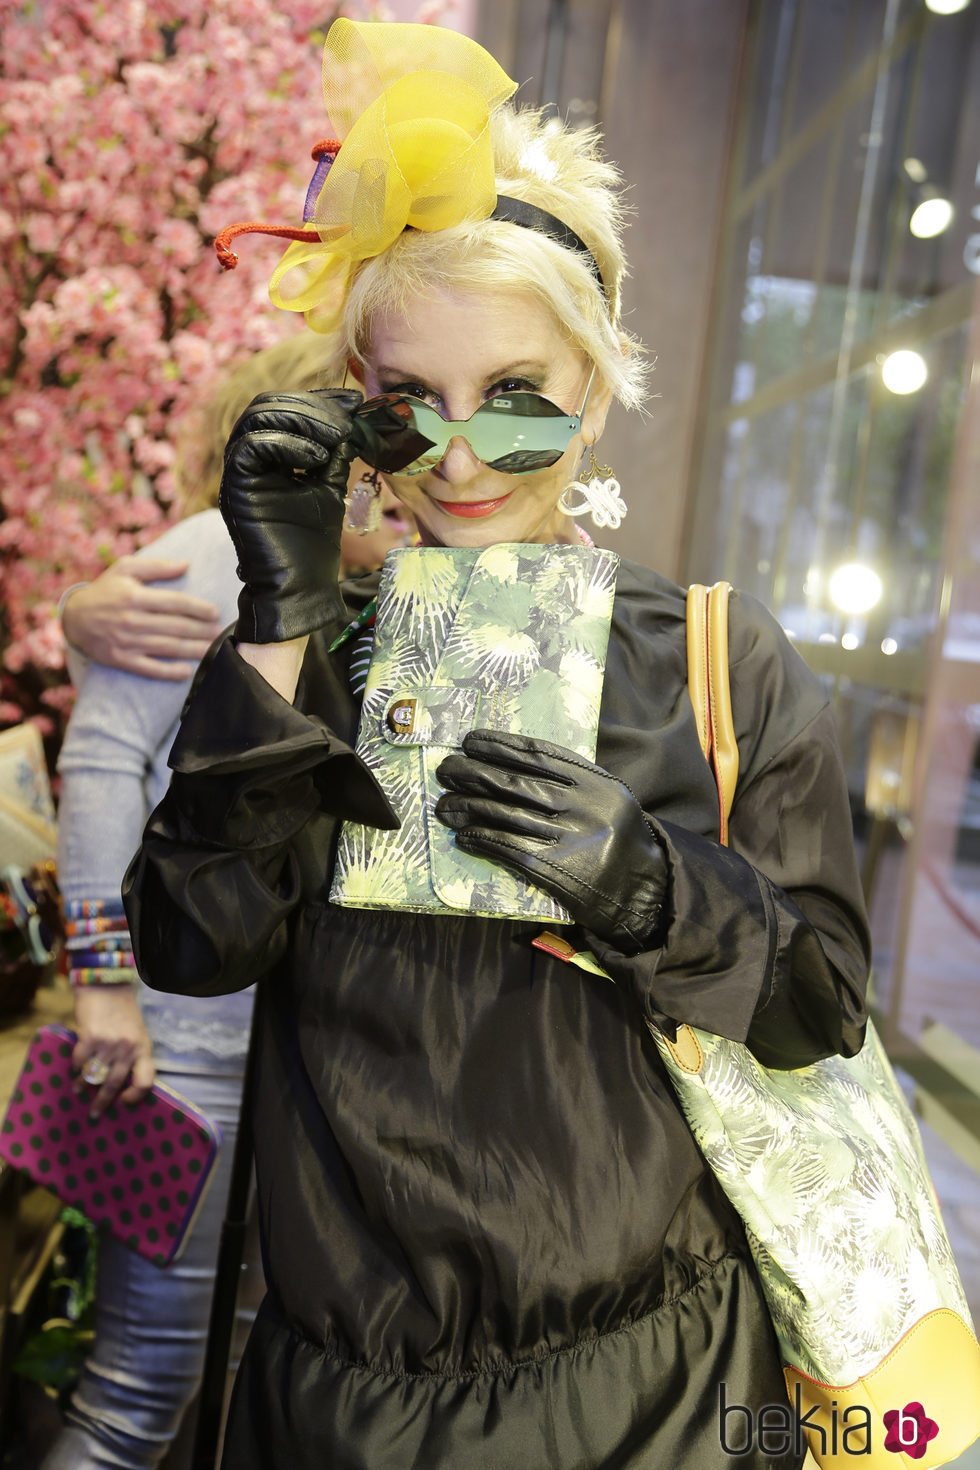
(490, 1240)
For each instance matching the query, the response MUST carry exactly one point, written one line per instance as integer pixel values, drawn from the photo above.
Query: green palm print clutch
(512, 637)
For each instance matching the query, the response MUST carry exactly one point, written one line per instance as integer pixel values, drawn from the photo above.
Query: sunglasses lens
(516, 433)
(525, 461)
(519, 433)
(385, 434)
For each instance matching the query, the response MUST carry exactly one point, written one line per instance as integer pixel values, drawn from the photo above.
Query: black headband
(517, 212)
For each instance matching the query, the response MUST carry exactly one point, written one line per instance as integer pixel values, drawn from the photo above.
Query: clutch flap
(510, 637)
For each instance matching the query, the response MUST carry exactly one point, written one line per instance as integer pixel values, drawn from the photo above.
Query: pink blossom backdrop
(132, 133)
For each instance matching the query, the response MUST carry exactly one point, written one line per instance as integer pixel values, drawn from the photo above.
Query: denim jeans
(151, 1324)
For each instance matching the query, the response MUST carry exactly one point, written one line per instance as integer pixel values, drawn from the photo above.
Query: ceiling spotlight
(946, 7)
(931, 217)
(904, 371)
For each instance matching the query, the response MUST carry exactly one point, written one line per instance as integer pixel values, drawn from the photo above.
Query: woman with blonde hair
(491, 1240)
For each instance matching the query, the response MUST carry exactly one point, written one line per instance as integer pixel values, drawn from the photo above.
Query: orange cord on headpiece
(228, 258)
(222, 241)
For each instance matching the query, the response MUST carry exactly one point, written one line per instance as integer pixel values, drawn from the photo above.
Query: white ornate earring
(602, 498)
(364, 505)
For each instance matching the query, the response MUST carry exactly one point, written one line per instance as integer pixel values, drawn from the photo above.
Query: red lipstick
(472, 508)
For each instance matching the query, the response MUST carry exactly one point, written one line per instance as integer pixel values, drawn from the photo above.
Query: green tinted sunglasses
(517, 433)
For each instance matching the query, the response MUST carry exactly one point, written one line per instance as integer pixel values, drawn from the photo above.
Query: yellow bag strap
(710, 691)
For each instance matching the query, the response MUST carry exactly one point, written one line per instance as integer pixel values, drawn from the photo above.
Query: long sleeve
(105, 762)
(114, 769)
(246, 827)
(765, 941)
(113, 761)
(106, 766)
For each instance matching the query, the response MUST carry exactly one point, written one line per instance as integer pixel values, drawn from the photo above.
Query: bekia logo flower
(909, 1431)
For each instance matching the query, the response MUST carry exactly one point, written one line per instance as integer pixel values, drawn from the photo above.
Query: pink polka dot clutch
(140, 1171)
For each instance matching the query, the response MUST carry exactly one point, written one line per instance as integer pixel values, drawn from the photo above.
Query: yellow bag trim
(560, 948)
(940, 1356)
(686, 1049)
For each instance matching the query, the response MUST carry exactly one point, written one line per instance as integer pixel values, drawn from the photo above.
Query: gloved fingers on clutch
(466, 775)
(476, 820)
(592, 849)
(523, 753)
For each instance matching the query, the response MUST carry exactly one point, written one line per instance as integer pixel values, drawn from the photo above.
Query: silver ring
(95, 1071)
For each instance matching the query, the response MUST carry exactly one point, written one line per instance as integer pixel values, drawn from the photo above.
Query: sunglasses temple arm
(588, 390)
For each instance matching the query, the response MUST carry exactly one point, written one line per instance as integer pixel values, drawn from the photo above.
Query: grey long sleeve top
(114, 771)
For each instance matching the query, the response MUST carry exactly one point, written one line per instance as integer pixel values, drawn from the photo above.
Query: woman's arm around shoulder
(155, 613)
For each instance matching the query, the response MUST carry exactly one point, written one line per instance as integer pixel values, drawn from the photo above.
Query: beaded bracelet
(107, 940)
(100, 951)
(118, 959)
(95, 926)
(86, 976)
(94, 908)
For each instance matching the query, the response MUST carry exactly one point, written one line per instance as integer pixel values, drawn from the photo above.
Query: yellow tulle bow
(411, 105)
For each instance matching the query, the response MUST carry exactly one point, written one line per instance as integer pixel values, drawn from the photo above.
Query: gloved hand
(282, 498)
(565, 824)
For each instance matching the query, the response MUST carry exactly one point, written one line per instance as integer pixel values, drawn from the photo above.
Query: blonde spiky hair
(540, 161)
(436, 182)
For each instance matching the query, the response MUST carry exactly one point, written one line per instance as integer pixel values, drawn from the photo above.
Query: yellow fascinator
(411, 107)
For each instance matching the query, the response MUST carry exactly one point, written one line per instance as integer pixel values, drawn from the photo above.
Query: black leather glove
(282, 498)
(565, 824)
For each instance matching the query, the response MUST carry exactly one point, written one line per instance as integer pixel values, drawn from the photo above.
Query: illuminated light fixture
(889, 646)
(855, 588)
(904, 371)
(931, 217)
(946, 7)
(916, 170)
(850, 641)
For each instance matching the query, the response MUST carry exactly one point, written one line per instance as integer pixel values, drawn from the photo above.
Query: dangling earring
(602, 498)
(364, 505)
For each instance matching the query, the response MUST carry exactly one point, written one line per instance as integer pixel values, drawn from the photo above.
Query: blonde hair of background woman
(300, 362)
